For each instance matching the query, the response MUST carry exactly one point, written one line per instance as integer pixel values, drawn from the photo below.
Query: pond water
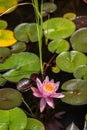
(25, 13)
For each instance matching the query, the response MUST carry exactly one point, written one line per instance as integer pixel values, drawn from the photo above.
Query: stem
(28, 107)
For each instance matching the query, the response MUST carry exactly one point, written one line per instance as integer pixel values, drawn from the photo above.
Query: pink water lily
(46, 91)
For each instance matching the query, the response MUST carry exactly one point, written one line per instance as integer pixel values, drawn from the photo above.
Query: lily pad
(2, 80)
(7, 38)
(58, 46)
(69, 61)
(25, 32)
(4, 53)
(78, 40)
(34, 124)
(56, 28)
(9, 98)
(5, 5)
(14, 119)
(20, 65)
(3, 24)
(81, 72)
(18, 47)
(70, 16)
(75, 92)
(49, 7)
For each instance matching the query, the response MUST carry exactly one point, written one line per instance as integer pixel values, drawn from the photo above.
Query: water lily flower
(46, 91)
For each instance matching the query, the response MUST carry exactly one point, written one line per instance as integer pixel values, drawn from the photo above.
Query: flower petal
(50, 102)
(36, 92)
(42, 104)
(39, 85)
(46, 80)
(57, 95)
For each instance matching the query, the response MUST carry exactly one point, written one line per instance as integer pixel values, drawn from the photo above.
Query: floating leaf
(18, 119)
(78, 40)
(75, 92)
(9, 98)
(21, 65)
(69, 61)
(18, 47)
(34, 124)
(14, 119)
(55, 69)
(2, 80)
(70, 16)
(58, 46)
(3, 24)
(6, 38)
(5, 5)
(56, 28)
(4, 53)
(81, 72)
(49, 7)
(25, 32)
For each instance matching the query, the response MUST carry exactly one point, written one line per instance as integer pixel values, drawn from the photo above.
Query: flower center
(49, 87)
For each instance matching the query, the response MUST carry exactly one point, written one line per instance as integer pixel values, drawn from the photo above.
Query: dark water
(22, 14)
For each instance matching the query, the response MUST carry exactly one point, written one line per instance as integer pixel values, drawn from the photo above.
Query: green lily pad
(25, 32)
(14, 119)
(81, 72)
(49, 7)
(56, 28)
(58, 46)
(2, 80)
(69, 61)
(79, 40)
(4, 53)
(18, 47)
(18, 119)
(34, 124)
(70, 15)
(75, 92)
(6, 38)
(9, 98)
(20, 65)
(5, 5)
(3, 24)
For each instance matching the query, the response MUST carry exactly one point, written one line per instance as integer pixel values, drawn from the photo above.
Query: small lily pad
(81, 72)
(25, 32)
(49, 7)
(34, 124)
(4, 53)
(18, 47)
(56, 28)
(58, 46)
(7, 38)
(75, 92)
(3, 24)
(70, 16)
(78, 40)
(69, 61)
(9, 98)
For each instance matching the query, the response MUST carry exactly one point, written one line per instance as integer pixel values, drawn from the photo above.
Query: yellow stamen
(49, 87)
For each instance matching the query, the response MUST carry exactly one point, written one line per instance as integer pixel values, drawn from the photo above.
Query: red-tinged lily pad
(34, 124)
(9, 98)
(58, 46)
(78, 40)
(69, 61)
(25, 32)
(3, 24)
(14, 119)
(56, 28)
(6, 5)
(81, 72)
(75, 92)
(7, 38)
